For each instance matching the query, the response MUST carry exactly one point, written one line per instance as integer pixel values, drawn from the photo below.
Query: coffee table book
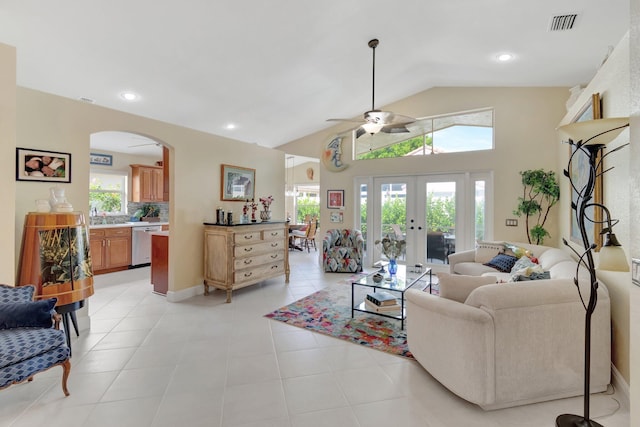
(370, 306)
(381, 298)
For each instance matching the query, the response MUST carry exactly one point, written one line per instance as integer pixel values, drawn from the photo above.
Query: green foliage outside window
(441, 213)
(397, 150)
(307, 206)
(104, 200)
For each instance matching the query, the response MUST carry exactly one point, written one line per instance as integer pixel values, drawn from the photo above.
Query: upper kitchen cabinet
(147, 183)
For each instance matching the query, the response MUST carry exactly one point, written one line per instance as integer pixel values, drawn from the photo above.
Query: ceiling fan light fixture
(372, 128)
(504, 57)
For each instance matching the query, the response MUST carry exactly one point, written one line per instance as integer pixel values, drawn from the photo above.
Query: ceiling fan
(375, 121)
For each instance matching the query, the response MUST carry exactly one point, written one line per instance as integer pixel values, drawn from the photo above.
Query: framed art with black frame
(592, 110)
(43, 166)
(335, 199)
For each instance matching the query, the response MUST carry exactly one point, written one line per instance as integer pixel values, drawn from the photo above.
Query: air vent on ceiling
(563, 22)
(87, 100)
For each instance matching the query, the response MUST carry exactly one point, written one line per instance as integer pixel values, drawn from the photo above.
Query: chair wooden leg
(66, 369)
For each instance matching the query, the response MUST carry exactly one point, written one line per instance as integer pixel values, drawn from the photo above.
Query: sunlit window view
(107, 193)
(468, 131)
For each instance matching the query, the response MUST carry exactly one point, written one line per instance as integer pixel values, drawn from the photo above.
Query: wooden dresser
(240, 255)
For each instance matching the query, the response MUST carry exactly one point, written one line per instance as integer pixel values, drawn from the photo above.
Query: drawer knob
(248, 261)
(247, 274)
(274, 245)
(274, 233)
(250, 236)
(274, 267)
(248, 249)
(274, 256)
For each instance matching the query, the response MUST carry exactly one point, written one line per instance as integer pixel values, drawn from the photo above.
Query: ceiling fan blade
(360, 131)
(143, 145)
(395, 128)
(346, 120)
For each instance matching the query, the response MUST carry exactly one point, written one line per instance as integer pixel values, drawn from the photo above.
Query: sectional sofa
(510, 343)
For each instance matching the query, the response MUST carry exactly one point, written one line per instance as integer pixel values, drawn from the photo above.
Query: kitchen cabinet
(110, 249)
(147, 183)
(160, 262)
(241, 255)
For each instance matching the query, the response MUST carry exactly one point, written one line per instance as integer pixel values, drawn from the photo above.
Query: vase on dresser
(265, 215)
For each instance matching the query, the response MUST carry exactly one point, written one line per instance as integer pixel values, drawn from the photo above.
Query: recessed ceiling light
(230, 126)
(129, 96)
(505, 57)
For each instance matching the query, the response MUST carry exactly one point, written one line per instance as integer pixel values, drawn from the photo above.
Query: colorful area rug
(329, 312)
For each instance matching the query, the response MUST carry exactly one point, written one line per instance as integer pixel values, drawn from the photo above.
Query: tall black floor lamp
(589, 138)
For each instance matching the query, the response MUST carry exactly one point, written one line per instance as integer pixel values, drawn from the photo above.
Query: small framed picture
(337, 216)
(44, 166)
(335, 199)
(237, 183)
(101, 159)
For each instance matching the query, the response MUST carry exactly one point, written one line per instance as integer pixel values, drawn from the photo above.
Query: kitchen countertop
(127, 224)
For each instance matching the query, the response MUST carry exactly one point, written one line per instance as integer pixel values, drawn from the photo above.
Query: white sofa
(511, 344)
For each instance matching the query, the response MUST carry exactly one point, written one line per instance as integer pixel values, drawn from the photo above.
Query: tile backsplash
(132, 207)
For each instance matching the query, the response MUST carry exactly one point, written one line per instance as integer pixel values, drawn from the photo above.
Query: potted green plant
(541, 191)
(149, 212)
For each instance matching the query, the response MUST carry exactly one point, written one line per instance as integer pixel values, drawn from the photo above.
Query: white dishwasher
(141, 243)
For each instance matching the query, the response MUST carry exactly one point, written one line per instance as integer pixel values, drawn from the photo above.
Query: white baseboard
(183, 294)
(621, 385)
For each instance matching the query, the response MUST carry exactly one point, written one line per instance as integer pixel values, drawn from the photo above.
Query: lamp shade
(612, 258)
(595, 132)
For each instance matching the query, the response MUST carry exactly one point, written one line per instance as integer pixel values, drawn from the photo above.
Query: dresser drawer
(259, 273)
(258, 248)
(273, 234)
(250, 237)
(250, 262)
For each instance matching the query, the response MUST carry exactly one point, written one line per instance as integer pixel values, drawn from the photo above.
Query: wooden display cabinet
(56, 257)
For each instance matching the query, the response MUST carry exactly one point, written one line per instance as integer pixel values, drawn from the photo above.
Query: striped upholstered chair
(342, 250)
(30, 338)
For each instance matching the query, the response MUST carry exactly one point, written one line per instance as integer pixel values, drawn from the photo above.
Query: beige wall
(50, 122)
(525, 138)
(612, 82)
(634, 201)
(7, 161)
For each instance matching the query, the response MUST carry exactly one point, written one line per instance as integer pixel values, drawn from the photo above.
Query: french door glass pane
(441, 220)
(479, 210)
(363, 213)
(393, 209)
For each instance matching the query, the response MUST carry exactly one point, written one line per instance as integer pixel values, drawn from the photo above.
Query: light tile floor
(202, 362)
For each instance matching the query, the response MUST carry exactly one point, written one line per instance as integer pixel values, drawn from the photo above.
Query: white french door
(435, 214)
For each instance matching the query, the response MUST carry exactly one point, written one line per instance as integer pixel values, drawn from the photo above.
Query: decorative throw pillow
(35, 314)
(485, 251)
(502, 262)
(457, 287)
(522, 263)
(516, 251)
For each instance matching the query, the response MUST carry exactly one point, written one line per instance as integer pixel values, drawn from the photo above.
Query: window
(307, 202)
(107, 193)
(465, 131)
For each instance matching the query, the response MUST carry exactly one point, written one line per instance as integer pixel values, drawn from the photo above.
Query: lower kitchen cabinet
(110, 249)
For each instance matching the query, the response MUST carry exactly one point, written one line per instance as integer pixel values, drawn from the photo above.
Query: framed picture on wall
(580, 174)
(237, 183)
(43, 166)
(101, 159)
(335, 199)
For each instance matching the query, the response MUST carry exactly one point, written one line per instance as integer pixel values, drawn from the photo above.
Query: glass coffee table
(398, 284)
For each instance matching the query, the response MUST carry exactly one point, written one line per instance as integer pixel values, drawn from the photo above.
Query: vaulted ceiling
(278, 69)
